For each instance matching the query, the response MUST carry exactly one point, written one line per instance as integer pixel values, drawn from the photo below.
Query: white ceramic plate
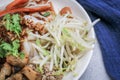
(77, 10)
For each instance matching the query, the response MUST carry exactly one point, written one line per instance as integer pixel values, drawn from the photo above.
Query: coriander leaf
(16, 44)
(15, 47)
(7, 19)
(2, 53)
(7, 24)
(46, 14)
(15, 19)
(6, 46)
(7, 16)
(22, 55)
(12, 48)
(12, 23)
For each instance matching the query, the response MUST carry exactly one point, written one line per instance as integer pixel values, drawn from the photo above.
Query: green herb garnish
(22, 55)
(12, 23)
(2, 53)
(7, 48)
(46, 14)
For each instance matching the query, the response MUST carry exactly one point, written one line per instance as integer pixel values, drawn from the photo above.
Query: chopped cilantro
(22, 55)
(12, 23)
(2, 53)
(7, 48)
(46, 14)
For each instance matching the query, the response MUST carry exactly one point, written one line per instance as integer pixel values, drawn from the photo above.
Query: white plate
(79, 11)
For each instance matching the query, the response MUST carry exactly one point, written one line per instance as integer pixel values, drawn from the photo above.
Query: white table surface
(95, 69)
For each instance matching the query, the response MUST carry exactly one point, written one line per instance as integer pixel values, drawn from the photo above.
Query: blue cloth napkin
(107, 31)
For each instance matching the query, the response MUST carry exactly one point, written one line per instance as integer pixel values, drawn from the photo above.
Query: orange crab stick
(16, 3)
(39, 9)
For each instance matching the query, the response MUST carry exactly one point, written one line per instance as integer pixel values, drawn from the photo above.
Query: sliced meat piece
(17, 76)
(10, 78)
(17, 61)
(5, 71)
(31, 74)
